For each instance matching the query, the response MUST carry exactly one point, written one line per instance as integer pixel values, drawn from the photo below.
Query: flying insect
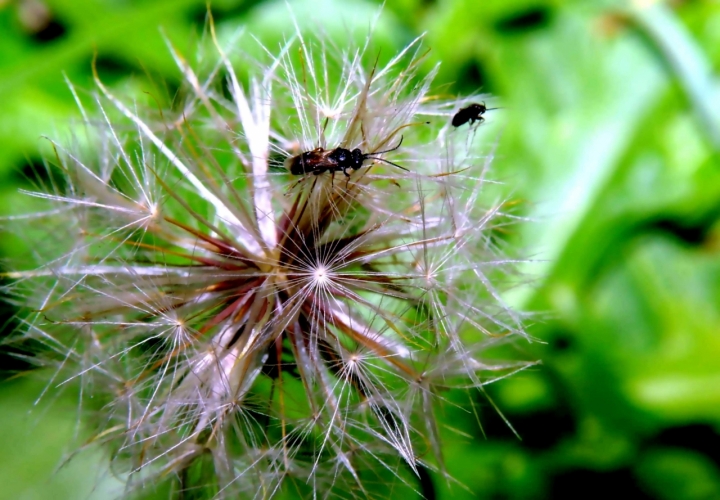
(471, 114)
(319, 160)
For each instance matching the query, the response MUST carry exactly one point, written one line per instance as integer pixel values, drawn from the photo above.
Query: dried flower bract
(247, 332)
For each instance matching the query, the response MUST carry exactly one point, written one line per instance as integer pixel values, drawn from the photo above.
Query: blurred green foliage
(608, 140)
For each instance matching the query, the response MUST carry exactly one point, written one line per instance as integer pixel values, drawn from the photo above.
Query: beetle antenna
(387, 161)
(387, 150)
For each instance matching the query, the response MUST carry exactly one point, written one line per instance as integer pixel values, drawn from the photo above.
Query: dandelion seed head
(256, 331)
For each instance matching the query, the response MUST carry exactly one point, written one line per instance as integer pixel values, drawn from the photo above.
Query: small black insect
(472, 113)
(321, 160)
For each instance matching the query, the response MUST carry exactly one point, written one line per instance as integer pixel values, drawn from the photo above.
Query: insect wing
(309, 161)
(460, 118)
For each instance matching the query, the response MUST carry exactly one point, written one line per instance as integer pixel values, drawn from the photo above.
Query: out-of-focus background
(608, 139)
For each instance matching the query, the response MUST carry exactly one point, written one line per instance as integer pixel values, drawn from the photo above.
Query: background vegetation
(608, 140)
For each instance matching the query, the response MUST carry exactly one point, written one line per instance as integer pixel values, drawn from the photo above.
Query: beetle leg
(294, 184)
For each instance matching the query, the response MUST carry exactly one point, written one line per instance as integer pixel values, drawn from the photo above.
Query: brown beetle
(319, 160)
(471, 114)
